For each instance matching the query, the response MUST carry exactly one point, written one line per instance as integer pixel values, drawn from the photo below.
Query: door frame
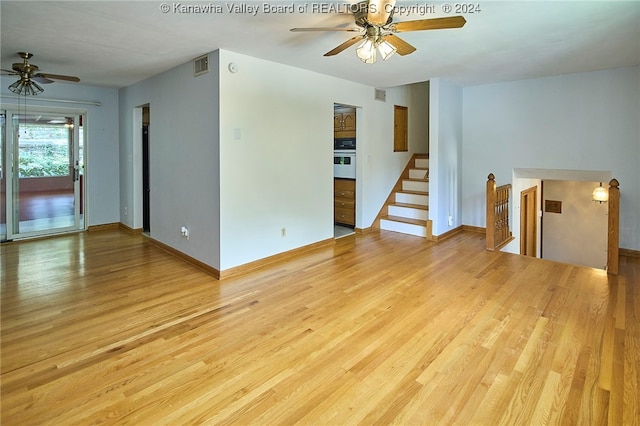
(11, 147)
(529, 220)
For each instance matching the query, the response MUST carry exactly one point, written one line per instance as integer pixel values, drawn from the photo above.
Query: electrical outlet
(450, 220)
(125, 210)
(184, 231)
(283, 232)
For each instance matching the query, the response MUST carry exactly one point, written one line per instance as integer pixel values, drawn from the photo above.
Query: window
(44, 149)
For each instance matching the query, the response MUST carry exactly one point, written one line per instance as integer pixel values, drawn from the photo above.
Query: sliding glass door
(42, 173)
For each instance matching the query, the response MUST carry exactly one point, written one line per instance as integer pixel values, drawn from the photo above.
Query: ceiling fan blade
(379, 11)
(403, 48)
(58, 77)
(351, 29)
(344, 45)
(429, 24)
(41, 79)
(9, 72)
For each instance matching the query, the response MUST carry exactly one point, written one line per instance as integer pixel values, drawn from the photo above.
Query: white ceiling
(115, 44)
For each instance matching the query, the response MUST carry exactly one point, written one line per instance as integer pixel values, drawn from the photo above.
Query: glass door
(43, 167)
(3, 185)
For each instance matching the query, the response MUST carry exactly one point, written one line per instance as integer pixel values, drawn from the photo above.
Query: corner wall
(276, 155)
(586, 121)
(445, 150)
(184, 159)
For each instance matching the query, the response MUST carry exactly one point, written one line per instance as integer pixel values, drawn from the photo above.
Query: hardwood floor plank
(381, 328)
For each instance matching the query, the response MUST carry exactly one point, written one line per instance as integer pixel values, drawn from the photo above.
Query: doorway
(146, 182)
(344, 169)
(42, 172)
(528, 222)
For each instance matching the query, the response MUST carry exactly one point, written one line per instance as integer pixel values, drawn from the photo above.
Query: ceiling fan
(374, 20)
(30, 77)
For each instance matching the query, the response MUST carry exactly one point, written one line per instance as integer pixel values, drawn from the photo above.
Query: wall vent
(380, 95)
(201, 65)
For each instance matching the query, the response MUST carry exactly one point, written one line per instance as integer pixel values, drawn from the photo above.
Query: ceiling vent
(201, 65)
(380, 95)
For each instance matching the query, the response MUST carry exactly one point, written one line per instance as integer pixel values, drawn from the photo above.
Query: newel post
(491, 211)
(613, 245)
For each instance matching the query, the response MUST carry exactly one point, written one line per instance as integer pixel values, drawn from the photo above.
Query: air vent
(201, 65)
(381, 95)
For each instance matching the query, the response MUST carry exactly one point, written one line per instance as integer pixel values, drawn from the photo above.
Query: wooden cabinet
(344, 201)
(344, 123)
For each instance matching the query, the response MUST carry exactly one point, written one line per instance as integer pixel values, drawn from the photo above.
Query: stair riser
(422, 163)
(417, 174)
(421, 200)
(405, 228)
(408, 212)
(412, 185)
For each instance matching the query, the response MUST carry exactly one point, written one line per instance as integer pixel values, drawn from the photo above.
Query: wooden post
(491, 212)
(613, 240)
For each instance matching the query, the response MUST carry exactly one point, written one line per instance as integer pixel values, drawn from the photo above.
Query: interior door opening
(528, 221)
(146, 185)
(344, 169)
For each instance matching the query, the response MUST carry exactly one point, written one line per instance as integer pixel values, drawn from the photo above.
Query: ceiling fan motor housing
(360, 11)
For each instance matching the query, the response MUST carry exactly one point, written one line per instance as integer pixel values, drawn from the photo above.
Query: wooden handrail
(613, 238)
(497, 208)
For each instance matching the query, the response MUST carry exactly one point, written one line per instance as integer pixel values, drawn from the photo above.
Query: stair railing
(498, 231)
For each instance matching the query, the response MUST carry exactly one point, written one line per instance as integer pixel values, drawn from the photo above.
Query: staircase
(407, 208)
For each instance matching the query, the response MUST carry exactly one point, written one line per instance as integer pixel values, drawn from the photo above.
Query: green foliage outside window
(44, 151)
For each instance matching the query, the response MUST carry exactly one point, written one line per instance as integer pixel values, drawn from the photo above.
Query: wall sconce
(600, 194)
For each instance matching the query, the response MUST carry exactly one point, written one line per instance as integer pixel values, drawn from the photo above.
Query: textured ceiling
(116, 44)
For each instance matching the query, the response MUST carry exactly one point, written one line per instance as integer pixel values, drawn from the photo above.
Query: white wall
(184, 159)
(101, 168)
(419, 117)
(577, 235)
(279, 172)
(588, 121)
(445, 150)
(236, 157)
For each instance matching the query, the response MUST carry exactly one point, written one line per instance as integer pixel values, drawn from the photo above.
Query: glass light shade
(367, 52)
(600, 194)
(26, 87)
(386, 50)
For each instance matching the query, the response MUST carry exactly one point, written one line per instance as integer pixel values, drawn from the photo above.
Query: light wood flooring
(381, 328)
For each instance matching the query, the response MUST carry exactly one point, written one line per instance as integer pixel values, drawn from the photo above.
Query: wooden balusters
(498, 232)
(491, 220)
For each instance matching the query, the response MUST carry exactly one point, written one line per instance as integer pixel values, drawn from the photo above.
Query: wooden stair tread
(405, 220)
(412, 206)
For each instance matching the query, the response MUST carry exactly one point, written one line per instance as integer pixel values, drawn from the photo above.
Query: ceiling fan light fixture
(26, 87)
(386, 50)
(367, 52)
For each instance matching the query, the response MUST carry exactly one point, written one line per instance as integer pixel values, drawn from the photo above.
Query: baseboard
(132, 231)
(193, 261)
(478, 229)
(448, 234)
(364, 230)
(252, 266)
(629, 252)
(104, 227)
